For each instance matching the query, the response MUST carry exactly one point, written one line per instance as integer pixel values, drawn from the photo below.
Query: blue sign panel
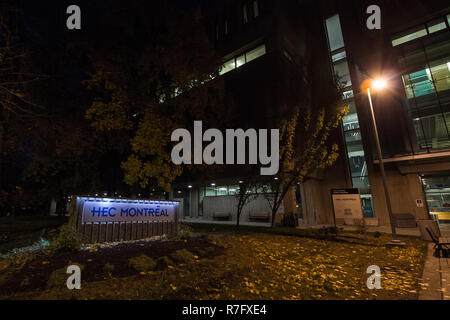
(121, 210)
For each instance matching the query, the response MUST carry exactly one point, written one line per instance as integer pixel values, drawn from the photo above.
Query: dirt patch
(35, 274)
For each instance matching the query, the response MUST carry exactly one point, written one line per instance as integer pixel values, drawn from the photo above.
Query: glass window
(222, 191)
(350, 121)
(438, 51)
(362, 183)
(342, 71)
(432, 132)
(367, 205)
(436, 25)
(448, 19)
(255, 8)
(334, 31)
(418, 83)
(210, 192)
(441, 74)
(348, 94)
(201, 195)
(233, 190)
(339, 56)
(244, 13)
(228, 66)
(256, 53)
(240, 61)
(411, 35)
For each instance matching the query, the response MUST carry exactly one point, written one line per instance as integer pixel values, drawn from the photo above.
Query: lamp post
(377, 85)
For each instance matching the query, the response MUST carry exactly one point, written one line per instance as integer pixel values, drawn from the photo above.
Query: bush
(108, 268)
(185, 231)
(58, 278)
(67, 240)
(182, 255)
(163, 262)
(142, 263)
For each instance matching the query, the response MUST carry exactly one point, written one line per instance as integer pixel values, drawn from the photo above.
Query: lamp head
(379, 84)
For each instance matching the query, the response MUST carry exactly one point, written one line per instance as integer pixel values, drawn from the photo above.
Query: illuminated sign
(120, 210)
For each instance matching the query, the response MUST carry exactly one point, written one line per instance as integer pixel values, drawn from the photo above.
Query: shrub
(185, 231)
(108, 268)
(58, 278)
(67, 240)
(142, 263)
(182, 255)
(163, 262)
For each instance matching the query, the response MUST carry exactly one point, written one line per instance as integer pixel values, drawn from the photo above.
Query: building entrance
(437, 195)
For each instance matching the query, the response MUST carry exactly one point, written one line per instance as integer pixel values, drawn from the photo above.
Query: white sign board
(347, 204)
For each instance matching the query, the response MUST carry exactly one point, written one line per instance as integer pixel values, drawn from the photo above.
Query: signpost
(346, 206)
(111, 219)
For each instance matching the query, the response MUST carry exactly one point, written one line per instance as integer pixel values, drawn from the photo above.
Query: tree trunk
(290, 209)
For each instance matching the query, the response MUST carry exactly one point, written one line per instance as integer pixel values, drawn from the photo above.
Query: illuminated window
(334, 31)
(222, 191)
(411, 35)
(255, 8)
(244, 13)
(436, 25)
(228, 66)
(243, 59)
(441, 74)
(240, 61)
(233, 190)
(342, 71)
(339, 56)
(256, 53)
(210, 192)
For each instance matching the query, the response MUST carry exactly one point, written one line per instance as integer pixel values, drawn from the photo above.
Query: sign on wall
(347, 204)
(107, 219)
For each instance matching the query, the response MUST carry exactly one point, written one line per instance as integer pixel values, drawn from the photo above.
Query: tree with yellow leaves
(163, 79)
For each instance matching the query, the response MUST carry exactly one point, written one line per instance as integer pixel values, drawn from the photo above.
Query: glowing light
(379, 84)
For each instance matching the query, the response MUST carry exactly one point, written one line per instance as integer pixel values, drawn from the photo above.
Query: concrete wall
(229, 204)
(404, 190)
(316, 193)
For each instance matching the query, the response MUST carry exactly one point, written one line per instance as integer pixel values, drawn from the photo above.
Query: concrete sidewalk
(435, 283)
(444, 229)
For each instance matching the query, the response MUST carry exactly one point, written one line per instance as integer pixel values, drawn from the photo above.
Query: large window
(421, 31)
(427, 90)
(242, 59)
(350, 123)
(335, 38)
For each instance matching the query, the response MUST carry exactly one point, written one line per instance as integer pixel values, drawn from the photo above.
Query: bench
(441, 245)
(222, 215)
(404, 220)
(259, 216)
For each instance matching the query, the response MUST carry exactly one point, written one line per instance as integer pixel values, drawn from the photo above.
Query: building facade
(261, 40)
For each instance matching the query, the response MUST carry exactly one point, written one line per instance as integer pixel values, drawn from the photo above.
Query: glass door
(437, 195)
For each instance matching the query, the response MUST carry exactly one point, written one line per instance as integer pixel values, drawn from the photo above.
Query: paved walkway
(445, 229)
(435, 283)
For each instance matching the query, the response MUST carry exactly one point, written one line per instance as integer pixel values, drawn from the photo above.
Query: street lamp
(377, 85)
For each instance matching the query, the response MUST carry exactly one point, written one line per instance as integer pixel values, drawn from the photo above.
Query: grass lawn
(252, 263)
(22, 231)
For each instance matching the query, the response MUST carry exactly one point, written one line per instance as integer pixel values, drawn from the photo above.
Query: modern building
(263, 40)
